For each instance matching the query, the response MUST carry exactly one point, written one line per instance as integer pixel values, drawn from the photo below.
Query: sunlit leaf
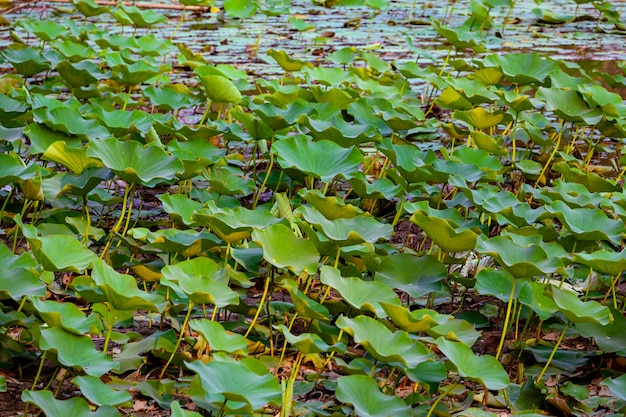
(364, 394)
(283, 249)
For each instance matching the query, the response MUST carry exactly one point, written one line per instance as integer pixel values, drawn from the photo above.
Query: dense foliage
(334, 241)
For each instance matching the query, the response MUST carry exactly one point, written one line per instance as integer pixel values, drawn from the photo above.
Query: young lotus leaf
(364, 394)
(347, 232)
(233, 225)
(100, 393)
(603, 261)
(310, 342)
(580, 311)
(311, 158)
(217, 87)
(236, 387)
(76, 351)
(447, 235)
(383, 344)
(479, 117)
(283, 249)
(66, 316)
(358, 293)
(135, 163)
(568, 105)
(485, 368)
(75, 159)
(489, 144)
(200, 279)
(413, 321)
(523, 68)
(59, 408)
(218, 339)
(417, 276)
(520, 261)
(121, 290)
(588, 224)
(305, 306)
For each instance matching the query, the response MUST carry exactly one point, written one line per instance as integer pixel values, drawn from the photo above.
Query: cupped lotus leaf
(283, 249)
(612, 103)
(579, 311)
(479, 117)
(202, 280)
(236, 387)
(452, 99)
(569, 105)
(218, 339)
(447, 235)
(523, 68)
(417, 276)
(592, 181)
(122, 122)
(413, 321)
(229, 181)
(360, 294)
(74, 51)
(456, 330)
(180, 208)
(217, 88)
(332, 207)
(11, 108)
(364, 394)
(233, 225)
(278, 118)
(286, 62)
(13, 169)
(312, 158)
(26, 61)
(382, 343)
(339, 131)
(76, 351)
(346, 232)
(603, 261)
(328, 76)
(79, 74)
(70, 122)
(495, 282)
(100, 393)
(52, 407)
(138, 72)
(617, 386)
(142, 17)
(587, 223)
(68, 183)
(75, 159)
(16, 276)
(186, 242)
(488, 143)
(461, 38)
(515, 101)
(158, 342)
(305, 306)
(610, 337)
(121, 291)
(376, 188)
(536, 297)
(134, 163)
(475, 92)
(66, 316)
(195, 155)
(41, 137)
(484, 368)
(90, 8)
(46, 30)
(520, 261)
(170, 97)
(310, 342)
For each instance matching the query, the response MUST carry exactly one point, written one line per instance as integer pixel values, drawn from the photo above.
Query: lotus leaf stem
(262, 188)
(556, 347)
(110, 325)
(284, 349)
(266, 287)
(118, 224)
(439, 398)
(507, 318)
(179, 340)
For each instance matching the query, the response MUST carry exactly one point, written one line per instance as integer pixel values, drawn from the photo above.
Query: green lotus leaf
(580, 311)
(331, 207)
(75, 159)
(617, 386)
(382, 343)
(569, 105)
(496, 282)
(159, 342)
(588, 223)
(233, 225)
(305, 306)
(217, 87)
(461, 38)
(122, 122)
(142, 17)
(236, 387)
(26, 61)
(146, 165)
(603, 261)
(229, 181)
(79, 74)
(413, 321)
(170, 97)
(121, 291)
(535, 296)
(484, 368)
(76, 351)
(417, 276)
(456, 330)
(479, 117)
(278, 118)
(476, 92)
(90, 8)
(13, 169)
(311, 158)
(59, 408)
(70, 122)
(364, 394)
(522, 261)
(177, 411)
(338, 131)
(283, 249)
(180, 208)
(218, 339)
(16, 277)
(310, 342)
(202, 280)
(286, 62)
(100, 393)
(41, 137)
(186, 242)
(240, 9)
(612, 104)
(136, 73)
(488, 143)
(74, 52)
(453, 99)
(592, 181)
(195, 154)
(46, 30)
(444, 233)
(515, 101)
(358, 293)
(610, 337)
(523, 68)
(346, 232)
(68, 183)
(66, 316)
(364, 113)
(11, 108)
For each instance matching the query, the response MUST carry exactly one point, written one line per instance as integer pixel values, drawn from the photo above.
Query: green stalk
(111, 324)
(507, 318)
(36, 380)
(258, 310)
(558, 343)
(180, 339)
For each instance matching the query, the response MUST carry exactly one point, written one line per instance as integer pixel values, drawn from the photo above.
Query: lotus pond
(368, 208)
